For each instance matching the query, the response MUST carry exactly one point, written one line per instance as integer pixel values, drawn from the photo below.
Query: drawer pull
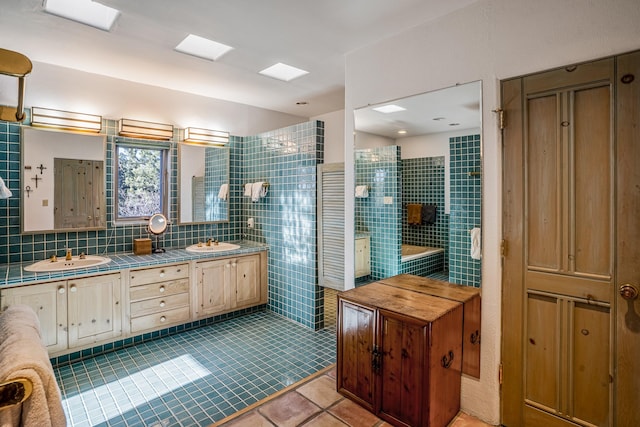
(233, 265)
(447, 361)
(162, 304)
(161, 289)
(61, 290)
(73, 288)
(475, 337)
(161, 273)
(163, 319)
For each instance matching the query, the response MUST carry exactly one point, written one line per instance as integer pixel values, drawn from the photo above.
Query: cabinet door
(402, 371)
(356, 358)
(247, 280)
(214, 286)
(48, 300)
(95, 311)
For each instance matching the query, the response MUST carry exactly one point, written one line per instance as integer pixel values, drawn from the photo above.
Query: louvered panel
(331, 225)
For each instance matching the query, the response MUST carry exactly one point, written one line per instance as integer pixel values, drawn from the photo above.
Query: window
(141, 171)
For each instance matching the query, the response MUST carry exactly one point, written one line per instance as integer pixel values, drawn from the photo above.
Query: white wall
(333, 136)
(488, 41)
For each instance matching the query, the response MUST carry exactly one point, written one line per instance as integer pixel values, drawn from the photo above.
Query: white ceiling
(309, 34)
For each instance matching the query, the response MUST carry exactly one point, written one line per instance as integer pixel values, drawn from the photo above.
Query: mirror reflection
(418, 169)
(63, 181)
(203, 184)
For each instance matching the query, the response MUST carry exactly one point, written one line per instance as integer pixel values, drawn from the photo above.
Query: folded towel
(428, 214)
(258, 189)
(247, 190)
(362, 191)
(22, 355)
(5, 193)
(475, 243)
(223, 192)
(414, 213)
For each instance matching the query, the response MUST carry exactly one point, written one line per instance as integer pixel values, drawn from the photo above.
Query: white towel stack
(362, 191)
(223, 193)
(258, 190)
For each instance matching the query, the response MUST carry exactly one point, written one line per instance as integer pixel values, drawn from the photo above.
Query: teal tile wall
(380, 169)
(286, 218)
(466, 208)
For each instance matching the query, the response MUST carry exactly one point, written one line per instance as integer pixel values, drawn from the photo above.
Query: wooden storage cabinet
(399, 354)
(230, 284)
(73, 313)
(158, 297)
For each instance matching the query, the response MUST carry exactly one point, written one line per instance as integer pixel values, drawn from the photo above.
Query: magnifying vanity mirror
(417, 156)
(63, 180)
(157, 225)
(203, 184)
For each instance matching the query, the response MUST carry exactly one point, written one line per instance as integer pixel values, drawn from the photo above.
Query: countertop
(14, 274)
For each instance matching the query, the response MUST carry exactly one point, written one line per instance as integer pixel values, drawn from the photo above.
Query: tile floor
(196, 377)
(314, 402)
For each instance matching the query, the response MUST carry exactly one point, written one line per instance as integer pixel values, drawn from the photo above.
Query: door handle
(628, 291)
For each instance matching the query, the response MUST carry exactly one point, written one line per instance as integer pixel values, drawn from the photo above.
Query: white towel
(5, 193)
(223, 192)
(475, 243)
(258, 189)
(362, 191)
(247, 190)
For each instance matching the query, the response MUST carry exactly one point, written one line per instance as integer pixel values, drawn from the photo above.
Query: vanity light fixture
(389, 108)
(206, 136)
(142, 129)
(85, 12)
(283, 72)
(65, 120)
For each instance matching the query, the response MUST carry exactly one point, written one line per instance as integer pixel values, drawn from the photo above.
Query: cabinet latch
(376, 359)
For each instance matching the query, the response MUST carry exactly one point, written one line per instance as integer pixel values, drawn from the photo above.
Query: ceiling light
(402, 132)
(389, 108)
(56, 119)
(202, 48)
(206, 136)
(454, 124)
(84, 11)
(140, 129)
(283, 72)
(437, 119)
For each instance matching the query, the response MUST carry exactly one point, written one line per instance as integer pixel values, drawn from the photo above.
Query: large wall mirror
(63, 180)
(203, 184)
(418, 172)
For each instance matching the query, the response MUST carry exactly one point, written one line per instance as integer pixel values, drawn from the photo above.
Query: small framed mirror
(157, 226)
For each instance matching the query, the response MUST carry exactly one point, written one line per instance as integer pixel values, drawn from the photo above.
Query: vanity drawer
(156, 305)
(161, 289)
(158, 274)
(158, 320)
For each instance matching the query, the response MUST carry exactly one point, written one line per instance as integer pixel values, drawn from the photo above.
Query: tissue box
(142, 246)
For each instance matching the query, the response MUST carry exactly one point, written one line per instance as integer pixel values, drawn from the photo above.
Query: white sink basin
(220, 247)
(63, 265)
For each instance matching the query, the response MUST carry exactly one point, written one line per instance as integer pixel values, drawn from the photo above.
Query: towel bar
(14, 392)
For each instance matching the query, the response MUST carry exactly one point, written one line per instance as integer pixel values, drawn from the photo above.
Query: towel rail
(14, 392)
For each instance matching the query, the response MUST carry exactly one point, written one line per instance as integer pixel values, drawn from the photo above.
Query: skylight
(283, 72)
(389, 108)
(84, 11)
(202, 48)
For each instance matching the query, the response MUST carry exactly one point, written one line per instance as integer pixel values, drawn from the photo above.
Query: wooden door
(214, 286)
(563, 225)
(356, 358)
(94, 309)
(49, 301)
(247, 280)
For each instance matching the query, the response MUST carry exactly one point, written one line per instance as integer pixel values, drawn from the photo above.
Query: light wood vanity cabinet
(159, 297)
(73, 313)
(230, 284)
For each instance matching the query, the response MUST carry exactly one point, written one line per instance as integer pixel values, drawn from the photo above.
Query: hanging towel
(247, 190)
(414, 213)
(22, 355)
(5, 193)
(428, 214)
(362, 191)
(223, 192)
(475, 243)
(258, 190)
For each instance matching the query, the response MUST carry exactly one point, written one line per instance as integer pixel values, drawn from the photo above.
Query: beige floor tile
(353, 414)
(251, 419)
(465, 420)
(288, 410)
(325, 420)
(321, 391)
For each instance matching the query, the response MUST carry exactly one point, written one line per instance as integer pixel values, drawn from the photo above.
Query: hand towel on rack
(5, 193)
(362, 191)
(258, 190)
(476, 243)
(414, 213)
(22, 355)
(247, 189)
(428, 214)
(223, 192)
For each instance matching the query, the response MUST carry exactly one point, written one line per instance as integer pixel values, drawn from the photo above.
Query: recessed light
(283, 72)
(302, 103)
(389, 108)
(202, 48)
(454, 124)
(402, 132)
(438, 118)
(83, 11)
